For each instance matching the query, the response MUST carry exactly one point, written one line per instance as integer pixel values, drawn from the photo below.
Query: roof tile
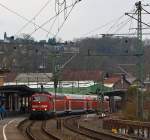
(75, 75)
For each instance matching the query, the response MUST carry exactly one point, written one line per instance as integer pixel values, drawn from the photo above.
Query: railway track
(72, 124)
(36, 130)
(23, 125)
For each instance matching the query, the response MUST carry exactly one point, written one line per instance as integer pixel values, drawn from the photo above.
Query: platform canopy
(107, 91)
(84, 89)
(21, 90)
(99, 88)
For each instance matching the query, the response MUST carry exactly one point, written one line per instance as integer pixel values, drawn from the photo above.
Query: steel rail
(72, 124)
(29, 132)
(48, 133)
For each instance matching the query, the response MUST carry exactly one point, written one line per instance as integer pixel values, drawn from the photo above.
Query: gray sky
(86, 16)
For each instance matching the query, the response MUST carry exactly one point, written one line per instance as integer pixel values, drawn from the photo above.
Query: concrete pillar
(28, 103)
(25, 101)
(7, 102)
(15, 102)
(10, 102)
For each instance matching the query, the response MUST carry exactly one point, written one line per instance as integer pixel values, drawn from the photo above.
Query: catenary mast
(140, 58)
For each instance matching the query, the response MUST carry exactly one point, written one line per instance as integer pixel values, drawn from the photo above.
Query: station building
(15, 92)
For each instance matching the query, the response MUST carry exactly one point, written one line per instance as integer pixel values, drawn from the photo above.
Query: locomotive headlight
(33, 109)
(45, 109)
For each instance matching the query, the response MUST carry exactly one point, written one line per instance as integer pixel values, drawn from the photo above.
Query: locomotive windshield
(40, 98)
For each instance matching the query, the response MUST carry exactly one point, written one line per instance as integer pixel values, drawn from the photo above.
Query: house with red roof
(116, 82)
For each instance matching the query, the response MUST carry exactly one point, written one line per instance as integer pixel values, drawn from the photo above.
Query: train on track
(44, 105)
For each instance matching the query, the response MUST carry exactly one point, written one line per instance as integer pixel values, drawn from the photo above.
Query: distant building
(71, 47)
(8, 39)
(42, 42)
(116, 82)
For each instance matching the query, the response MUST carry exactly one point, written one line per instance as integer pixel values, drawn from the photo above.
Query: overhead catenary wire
(137, 20)
(52, 25)
(22, 17)
(131, 16)
(65, 10)
(46, 22)
(146, 12)
(65, 18)
(60, 3)
(130, 26)
(115, 23)
(50, 19)
(100, 27)
(58, 6)
(36, 15)
(49, 32)
(122, 25)
(119, 27)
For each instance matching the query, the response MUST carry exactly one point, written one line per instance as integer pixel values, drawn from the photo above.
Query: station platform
(8, 127)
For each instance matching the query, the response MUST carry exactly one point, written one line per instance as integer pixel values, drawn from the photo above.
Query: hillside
(106, 53)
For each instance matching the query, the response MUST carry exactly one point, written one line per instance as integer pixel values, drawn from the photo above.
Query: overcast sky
(86, 16)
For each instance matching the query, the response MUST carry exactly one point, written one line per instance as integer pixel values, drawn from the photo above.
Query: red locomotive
(45, 104)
